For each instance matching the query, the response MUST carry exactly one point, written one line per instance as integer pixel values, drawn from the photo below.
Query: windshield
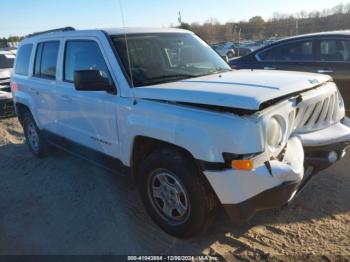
(161, 58)
(6, 61)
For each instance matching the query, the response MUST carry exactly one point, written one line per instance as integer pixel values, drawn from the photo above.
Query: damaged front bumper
(243, 193)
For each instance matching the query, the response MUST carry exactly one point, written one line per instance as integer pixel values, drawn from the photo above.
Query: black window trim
(314, 40)
(65, 54)
(27, 74)
(42, 43)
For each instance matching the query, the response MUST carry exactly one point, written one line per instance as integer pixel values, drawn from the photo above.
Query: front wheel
(174, 193)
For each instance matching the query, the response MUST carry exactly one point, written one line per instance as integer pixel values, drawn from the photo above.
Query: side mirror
(92, 80)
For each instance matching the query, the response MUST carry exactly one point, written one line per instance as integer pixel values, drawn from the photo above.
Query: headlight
(274, 133)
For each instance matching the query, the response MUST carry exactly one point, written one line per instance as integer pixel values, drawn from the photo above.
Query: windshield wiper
(165, 78)
(220, 70)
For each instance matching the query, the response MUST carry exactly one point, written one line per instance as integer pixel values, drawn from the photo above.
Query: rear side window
(298, 51)
(23, 59)
(46, 60)
(83, 55)
(333, 50)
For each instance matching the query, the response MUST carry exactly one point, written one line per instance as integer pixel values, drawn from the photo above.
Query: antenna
(180, 18)
(127, 46)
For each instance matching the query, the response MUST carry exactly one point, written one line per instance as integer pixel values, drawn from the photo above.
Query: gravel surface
(64, 205)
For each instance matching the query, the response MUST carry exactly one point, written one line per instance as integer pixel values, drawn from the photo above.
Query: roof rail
(63, 29)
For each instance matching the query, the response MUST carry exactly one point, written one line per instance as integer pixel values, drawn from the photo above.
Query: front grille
(319, 109)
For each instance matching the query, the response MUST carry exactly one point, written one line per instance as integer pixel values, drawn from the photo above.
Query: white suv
(162, 106)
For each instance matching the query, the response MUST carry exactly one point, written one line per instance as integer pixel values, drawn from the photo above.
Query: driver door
(88, 118)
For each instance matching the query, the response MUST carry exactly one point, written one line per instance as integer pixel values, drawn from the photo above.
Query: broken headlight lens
(274, 133)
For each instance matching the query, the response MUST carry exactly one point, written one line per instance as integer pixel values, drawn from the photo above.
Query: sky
(21, 17)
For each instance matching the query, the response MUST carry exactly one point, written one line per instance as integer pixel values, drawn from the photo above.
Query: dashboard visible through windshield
(166, 57)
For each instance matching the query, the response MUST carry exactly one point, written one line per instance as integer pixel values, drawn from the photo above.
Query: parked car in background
(325, 53)
(7, 57)
(224, 50)
(238, 49)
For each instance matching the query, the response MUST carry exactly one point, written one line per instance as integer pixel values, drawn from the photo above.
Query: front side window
(23, 59)
(297, 51)
(333, 50)
(83, 55)
(166, 57)
(6, 60)
(46, 60)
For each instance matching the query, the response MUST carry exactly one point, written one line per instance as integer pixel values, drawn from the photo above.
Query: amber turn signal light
(245, 165)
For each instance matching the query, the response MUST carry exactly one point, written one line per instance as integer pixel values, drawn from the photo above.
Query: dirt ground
(65, 205)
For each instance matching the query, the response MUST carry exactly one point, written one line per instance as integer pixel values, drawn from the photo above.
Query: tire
(170, 181)
(230, 55)
(34, 138)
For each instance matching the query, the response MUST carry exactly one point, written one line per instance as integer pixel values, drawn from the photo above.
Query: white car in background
(7, 58)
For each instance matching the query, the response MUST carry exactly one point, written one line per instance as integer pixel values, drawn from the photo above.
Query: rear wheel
(174, 193)
(34, 138)
(230, 55)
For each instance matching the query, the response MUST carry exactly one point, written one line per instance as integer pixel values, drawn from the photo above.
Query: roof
(111, 31)
(140, 30)
(320, 34)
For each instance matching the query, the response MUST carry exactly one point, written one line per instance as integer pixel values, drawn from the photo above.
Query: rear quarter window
(23, 59)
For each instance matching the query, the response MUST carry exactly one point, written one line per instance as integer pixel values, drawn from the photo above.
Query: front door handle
(325, 71)
(66, 98)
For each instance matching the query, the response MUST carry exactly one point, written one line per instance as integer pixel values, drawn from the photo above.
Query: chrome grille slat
(300, 113)
(324, 112)
(335, 112)
(315, 115)
(306, 118)
(330, 109)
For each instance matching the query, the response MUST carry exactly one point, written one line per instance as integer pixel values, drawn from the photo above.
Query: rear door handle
(325, 71)
(66, 98)
(269, 68)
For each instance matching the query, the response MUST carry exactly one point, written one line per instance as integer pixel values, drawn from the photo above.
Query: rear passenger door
(43, 81)
(88, 118)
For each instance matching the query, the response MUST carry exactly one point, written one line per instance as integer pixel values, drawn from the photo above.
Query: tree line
(5, 42)
(280, 25)
(256, 28)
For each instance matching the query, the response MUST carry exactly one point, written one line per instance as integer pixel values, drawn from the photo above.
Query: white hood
(243, 89)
